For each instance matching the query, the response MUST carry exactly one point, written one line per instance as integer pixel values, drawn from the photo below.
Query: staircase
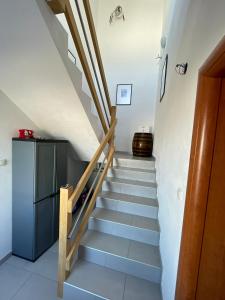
(119, 256)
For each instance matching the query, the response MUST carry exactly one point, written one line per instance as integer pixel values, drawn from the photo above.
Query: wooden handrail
(58, 6)
(97, 50)
(68, 248)
(86, 175)
(82, 227)
(68, 196)
(80, 50)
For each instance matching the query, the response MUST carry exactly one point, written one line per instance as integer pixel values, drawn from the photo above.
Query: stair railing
(70, 233)
(64, 6)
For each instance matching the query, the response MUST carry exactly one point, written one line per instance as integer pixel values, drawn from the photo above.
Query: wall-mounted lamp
(181, 69)
(117, 14)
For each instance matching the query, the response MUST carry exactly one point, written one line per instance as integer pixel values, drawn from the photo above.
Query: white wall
(128, 50)
(197, 27)
(168, 12)
(34, 73)
(11, 119)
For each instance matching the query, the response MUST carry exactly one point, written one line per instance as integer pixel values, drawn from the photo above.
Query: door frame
(202, 149)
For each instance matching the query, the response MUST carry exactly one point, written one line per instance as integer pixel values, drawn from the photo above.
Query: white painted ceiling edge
(34, 76)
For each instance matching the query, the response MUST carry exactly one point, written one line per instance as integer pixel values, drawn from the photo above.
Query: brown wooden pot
(142, 144)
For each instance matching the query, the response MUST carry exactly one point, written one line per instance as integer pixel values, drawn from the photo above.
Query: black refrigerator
(39, 169)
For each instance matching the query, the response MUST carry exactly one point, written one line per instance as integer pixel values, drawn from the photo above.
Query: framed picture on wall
(123, 94)
(163, 78)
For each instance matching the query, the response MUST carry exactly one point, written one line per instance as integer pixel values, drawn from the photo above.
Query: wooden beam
(80, 50)
(111, 141)
(210, 79)
(97, 50)
(64, 228)
(57, 6)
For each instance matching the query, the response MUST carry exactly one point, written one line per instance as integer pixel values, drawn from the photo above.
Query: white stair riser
(126, 174)
(129, 189)
(126, 231)
(128, 207)
(121, 264)
(72, 292)
(134, 163)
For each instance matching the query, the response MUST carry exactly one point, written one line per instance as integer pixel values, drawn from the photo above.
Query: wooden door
(211, 279)
(201, 271)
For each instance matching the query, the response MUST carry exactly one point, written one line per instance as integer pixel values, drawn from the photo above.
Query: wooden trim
(82, 227)
(57, 6)
(203, 140)
(80, 50)
(97, 50)
(64, 228)
(86, 175)
(213, 66)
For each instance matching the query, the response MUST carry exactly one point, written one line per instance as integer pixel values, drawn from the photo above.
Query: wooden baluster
(84, 222)
(111, 141)
(91, 24)
(65, 221)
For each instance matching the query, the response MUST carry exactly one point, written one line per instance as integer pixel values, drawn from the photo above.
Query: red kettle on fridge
(25, 134)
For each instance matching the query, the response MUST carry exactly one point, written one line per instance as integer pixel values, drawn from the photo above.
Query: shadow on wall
(75, 167)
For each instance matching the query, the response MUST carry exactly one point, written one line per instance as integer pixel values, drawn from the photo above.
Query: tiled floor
(24, 280)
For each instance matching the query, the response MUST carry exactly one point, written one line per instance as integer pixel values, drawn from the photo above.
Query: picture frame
(123, 94)
(163, 78)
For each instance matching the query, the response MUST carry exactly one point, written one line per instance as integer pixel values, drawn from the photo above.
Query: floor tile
(131, 182)
(126, 155)
(17, 262)
(46, 265)
(11, 280)
(139, 289)
(113, 216)
(98, 280)
(144, 253)
(133, 169)
(147, 223)
(37, 288)
(55, 247)
(106, 242)
(129, 198)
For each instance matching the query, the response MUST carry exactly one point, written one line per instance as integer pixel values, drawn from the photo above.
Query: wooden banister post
(87, 214)
(113, 118)
(57, 6)
(65, 222)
